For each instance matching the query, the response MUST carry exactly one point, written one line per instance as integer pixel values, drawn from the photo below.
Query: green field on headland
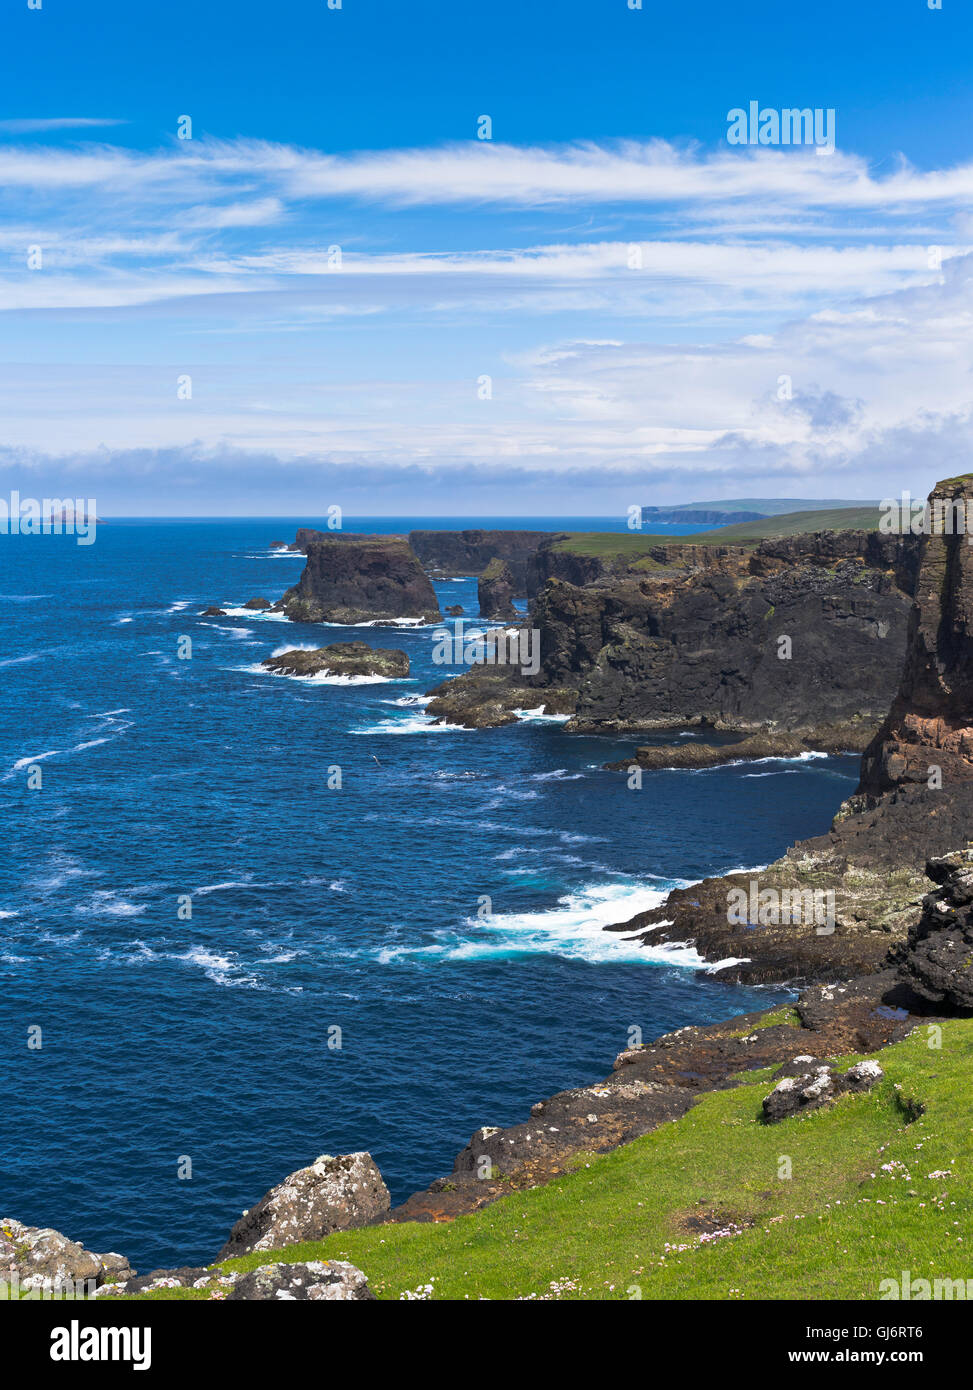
(632, 544)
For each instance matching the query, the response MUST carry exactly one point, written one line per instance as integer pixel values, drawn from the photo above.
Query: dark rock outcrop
(456, 553)
(938, 959)
(930, 723)
(342, 659)
(914, 802)
(793, 636)
(784, 638)
(213, 612)
(695, 754)
(809, 1085)
(331, 1194)
(258, 604)
(361, 579)
(495, 592)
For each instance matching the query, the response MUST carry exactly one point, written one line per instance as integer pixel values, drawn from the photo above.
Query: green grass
(792, 524)
(634, 545)
(834, 1229)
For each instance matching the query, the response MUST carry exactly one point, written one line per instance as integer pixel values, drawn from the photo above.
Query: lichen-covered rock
(333, 1279)
(808, 1085)
(938, 960)
(216, 1282)
(38, 1257)
(342, 659)
(331, 1194)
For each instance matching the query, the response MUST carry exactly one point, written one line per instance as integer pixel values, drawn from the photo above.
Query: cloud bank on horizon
(573, 326)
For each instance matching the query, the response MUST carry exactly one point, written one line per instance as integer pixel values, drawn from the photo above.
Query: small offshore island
(673, 1176)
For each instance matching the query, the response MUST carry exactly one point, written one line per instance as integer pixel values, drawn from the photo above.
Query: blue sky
(661, 315)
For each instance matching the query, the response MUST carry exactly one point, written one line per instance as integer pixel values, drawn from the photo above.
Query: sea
(247, 919)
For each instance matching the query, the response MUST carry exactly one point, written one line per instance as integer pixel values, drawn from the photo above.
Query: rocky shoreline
(891, 953)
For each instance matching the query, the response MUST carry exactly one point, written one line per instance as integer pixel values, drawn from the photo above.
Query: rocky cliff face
(454, 553)
(495, 591)
(930, 724)
(910, 820)
(803, 635)
(360, 579)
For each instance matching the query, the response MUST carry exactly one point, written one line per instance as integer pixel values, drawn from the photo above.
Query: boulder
(342, 659)
(213, 612)
(332, 1194)
(808, 1085)
(300, 1282)
(38, 1257)
(257, 603)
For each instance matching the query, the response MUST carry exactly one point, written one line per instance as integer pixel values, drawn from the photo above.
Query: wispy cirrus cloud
(43, 125)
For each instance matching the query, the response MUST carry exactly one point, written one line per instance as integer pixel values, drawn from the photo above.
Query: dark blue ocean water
(312, 908)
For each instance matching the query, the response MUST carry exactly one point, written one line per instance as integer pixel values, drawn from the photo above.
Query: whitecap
(537, 716)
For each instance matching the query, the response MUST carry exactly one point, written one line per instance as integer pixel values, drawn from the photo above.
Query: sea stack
(495, 591)
(361, 579)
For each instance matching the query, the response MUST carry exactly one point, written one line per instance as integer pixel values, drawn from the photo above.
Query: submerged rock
(332, 1194)
(39, 1257)
(342, 659)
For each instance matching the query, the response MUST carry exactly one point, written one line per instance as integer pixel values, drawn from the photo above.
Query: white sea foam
(574, 929)
(537, 716)
(106, 903)
(255, 615)
(415, 724)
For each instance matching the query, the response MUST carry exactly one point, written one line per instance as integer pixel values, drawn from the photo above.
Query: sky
(337, 293)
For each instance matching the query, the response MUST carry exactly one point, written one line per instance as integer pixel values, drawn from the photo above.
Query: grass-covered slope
(633, 544)
(767, 506)
(879, 1183)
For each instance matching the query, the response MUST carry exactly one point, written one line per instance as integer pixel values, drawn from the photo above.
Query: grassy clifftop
(633, 544)
(719, 1205)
